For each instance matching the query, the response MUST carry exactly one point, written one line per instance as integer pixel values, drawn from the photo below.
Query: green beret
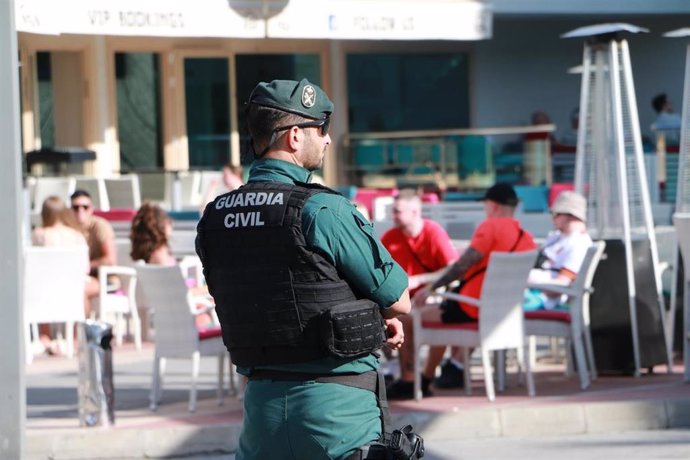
(298, 97)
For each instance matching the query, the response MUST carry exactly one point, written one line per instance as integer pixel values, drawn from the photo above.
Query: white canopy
(322, 19)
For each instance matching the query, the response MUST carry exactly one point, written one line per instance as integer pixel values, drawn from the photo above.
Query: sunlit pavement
(611, 404)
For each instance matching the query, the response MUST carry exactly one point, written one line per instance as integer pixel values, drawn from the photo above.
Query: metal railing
(462, 159)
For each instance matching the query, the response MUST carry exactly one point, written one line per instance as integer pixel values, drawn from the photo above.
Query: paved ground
(611, 405)
(630, 445)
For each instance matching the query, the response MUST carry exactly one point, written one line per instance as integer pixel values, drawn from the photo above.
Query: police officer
(304, 291)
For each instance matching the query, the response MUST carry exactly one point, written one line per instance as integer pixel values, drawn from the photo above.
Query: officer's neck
(284, 155)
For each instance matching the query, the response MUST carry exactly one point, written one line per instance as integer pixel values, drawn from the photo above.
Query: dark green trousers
(306, 420)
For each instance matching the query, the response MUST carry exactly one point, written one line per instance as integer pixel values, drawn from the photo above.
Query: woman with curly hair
(151, 229)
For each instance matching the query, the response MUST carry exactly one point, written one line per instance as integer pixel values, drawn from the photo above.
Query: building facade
(153, 85)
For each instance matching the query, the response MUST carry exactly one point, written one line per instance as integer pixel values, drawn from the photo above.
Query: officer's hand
(394, 330)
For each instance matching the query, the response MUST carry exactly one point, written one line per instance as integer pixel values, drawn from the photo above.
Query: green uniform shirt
(333, 227)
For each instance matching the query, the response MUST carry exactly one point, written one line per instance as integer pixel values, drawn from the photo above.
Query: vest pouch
(353, 328)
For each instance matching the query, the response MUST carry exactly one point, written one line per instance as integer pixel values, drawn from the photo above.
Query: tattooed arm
(458, 269)
(452, 273)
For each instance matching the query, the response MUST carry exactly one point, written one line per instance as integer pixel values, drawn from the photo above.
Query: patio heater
(627, 311)
(682, 210)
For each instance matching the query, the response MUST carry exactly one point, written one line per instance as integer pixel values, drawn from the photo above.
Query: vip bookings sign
(318, 19)
(156, 18)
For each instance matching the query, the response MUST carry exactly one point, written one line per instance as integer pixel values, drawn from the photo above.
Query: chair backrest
(124, 191)
(95, 186)
(182, 242)
(538, 224)
(61, 187)
(460, 229)
(207, 180)
(166, 293)
(123, 246)
(579, 307)
(53, 284)
(156, 187)
(682, 223)
(382, 207)
(501, 319)
(584, 278)
(190, 189)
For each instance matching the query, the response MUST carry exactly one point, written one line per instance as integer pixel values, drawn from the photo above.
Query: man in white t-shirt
(563, 251)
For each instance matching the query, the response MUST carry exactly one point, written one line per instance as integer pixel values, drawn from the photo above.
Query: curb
(523, 421)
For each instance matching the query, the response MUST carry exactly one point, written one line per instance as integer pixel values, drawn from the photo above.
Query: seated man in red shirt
(423, 249)
(420, 246)
(499, 232)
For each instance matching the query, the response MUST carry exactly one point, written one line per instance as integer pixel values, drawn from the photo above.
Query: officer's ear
(295, 139)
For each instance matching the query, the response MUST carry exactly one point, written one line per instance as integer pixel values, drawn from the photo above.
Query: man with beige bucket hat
(562, 253)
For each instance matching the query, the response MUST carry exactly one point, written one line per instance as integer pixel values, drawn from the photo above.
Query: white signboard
(35, 16)
(383, 20)
(322, 19)
(153, 18)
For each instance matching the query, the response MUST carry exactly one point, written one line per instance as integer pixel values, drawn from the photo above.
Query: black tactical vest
(272, 292)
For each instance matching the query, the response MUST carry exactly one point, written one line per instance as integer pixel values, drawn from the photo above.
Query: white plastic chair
(669, 261)
(95, 186)
(156, 187)
(538, 224)
(501, 321)
(53, 290)
(459, 228)
(682, 224)
(207, 180)
(124, 192)
(121, 303)
(572, 325)
(382, 208)
(182, 242)
(176, 334)
(61, 187)
(190, 190)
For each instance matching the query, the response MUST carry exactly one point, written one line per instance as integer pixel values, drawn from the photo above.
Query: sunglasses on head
(324, 124)
(85, 207)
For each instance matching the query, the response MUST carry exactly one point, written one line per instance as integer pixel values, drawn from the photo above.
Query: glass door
(137, 86)
(207, 102)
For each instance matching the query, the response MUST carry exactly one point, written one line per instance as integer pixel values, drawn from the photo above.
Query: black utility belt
(365, 381)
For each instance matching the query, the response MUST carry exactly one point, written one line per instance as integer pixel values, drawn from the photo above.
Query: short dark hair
(659, 101)
(262, 122)
(80, 192)
(502, 193)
